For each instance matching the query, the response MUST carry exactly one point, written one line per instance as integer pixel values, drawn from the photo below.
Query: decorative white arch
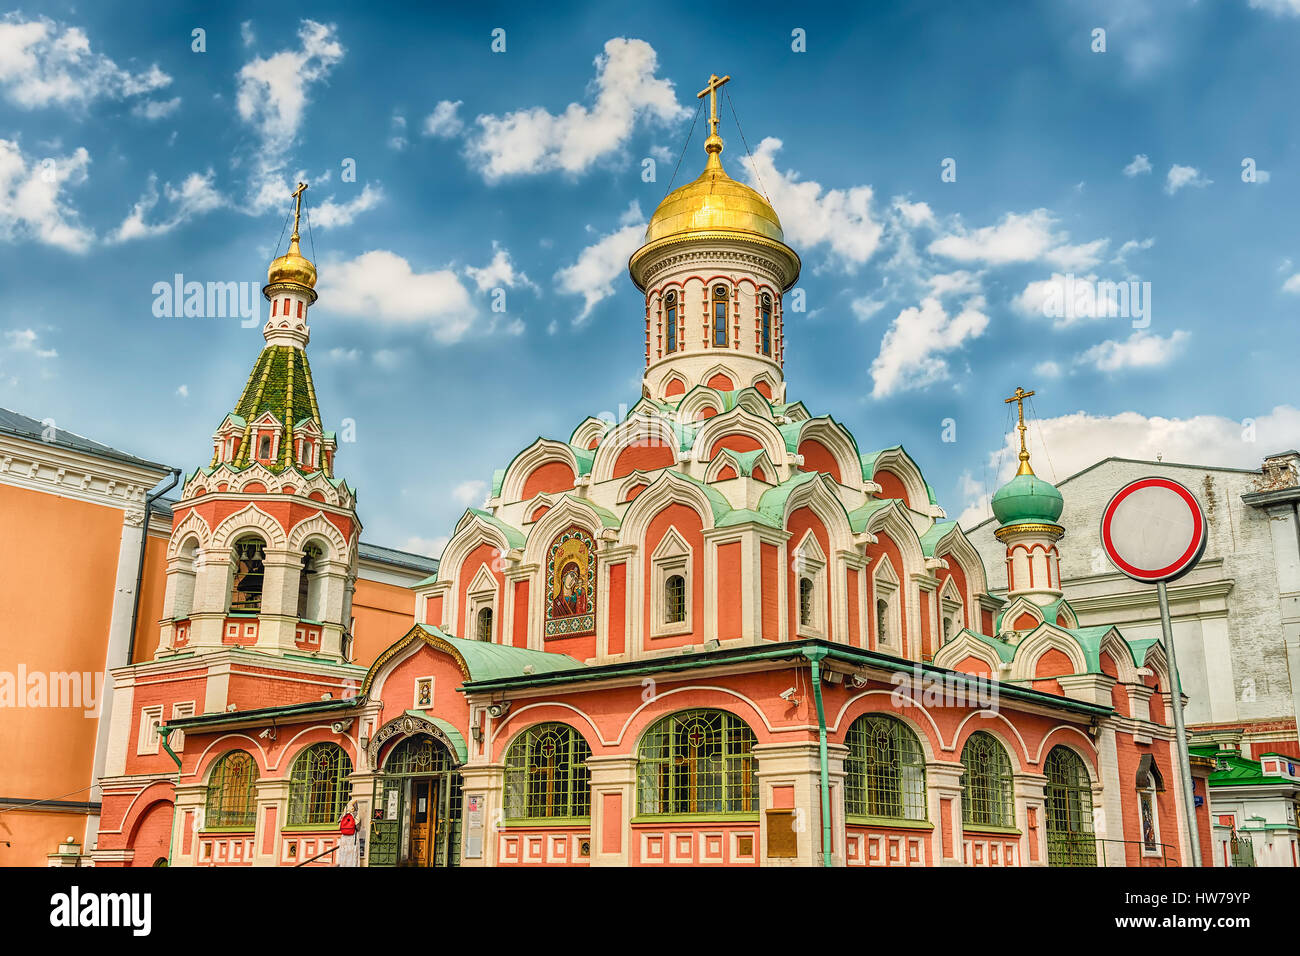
(819, 496)
(249, 519)
(320, 527)
(893, 521)
(965, 645)
(836, 439)
(503, 726)
(471, 531)
(1044, 638)
(1019, 755)
(639, 429)
(954, 545)
(539, 453)
(669, 489)
(1087, 753)
(590, 429)
(904, 714)
(739, 421)
(193, 526)
(900, 464)
(567, 511)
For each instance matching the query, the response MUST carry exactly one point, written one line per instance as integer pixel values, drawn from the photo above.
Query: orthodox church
(717, 632)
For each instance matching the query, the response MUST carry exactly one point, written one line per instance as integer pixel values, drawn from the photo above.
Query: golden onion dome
(293, 266)
(714, 202)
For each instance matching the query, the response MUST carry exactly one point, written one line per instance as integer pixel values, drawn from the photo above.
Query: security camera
(267, 734)
(787, 695)
(496, 711)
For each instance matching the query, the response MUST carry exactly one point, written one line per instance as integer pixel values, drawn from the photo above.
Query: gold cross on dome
(711, 90)
(1019, 398)
(297, 212)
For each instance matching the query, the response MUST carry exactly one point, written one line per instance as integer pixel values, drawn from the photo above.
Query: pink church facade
(716, 632)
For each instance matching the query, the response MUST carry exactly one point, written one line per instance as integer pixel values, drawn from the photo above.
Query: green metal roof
(488, 661)
(447, 727)
(281, 385)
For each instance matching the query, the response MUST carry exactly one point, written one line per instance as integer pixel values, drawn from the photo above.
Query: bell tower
(714, 268)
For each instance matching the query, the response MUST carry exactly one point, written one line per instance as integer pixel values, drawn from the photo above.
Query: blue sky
(126, 157)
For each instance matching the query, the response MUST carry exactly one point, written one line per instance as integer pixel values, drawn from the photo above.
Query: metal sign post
(1154, 531)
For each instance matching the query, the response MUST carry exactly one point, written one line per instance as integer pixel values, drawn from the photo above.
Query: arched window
(884, 774)
(309, 584)
(670, 322)
(882, 620)
(264, 448)
(805, 601)
(674, 599)
(546, 774)
(765, 311)
(987, 800)
(246, 587)
(1070, 840)
(697, 761)
(319, 788)
(483, 625)
(1149, 784)
(720, 316)
(231, 802)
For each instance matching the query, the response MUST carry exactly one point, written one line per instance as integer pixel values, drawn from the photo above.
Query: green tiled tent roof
(281, 384)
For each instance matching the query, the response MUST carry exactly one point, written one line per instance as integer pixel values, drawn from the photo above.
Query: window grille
(805, 601)
(547, 775)
(987, 800)
(697, 761)
(231, 801)
(319, 788)
(1070, 840)
(484, 625)
(720, 316)
(884, 773)
(675, 599)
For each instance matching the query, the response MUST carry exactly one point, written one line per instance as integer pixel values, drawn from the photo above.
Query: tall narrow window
(675, 599)
(546, 774)
(1070, 840)
(882, 620)
(720, 316)
(484, 625)
(1149, 783)
(987, 800)
(307, 582)
(670, 322)
(246, 588)
(805, 601)
(264, 447)
(765, 311)
(230, 800)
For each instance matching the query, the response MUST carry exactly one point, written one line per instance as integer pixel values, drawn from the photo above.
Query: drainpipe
(815, 655)
(164, 733)
(139, 570)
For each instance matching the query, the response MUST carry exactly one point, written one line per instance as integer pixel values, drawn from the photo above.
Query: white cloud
(31, 202)
(343, 355)
(1070, 299)
(381, 286)
(914, 214)
(272, 97)
(470, 493)
(1292, 284)
(443, 123)
(910, 353)
(246, 33)
(1288, 8)
(330, 213)
(28, 341)
(183, 391)
(397, 139)
(1067, 444)
(45, 64)
(1180, 176)
(812, 215)
(531, 141)
(1133, 245)
(1019, 238)
(1048, 369)
(1139, 165)
(866, 307)
(1140, 350)
(598, 266)
(960, 282)
(156, 109)
(499, 273)
(194, 196)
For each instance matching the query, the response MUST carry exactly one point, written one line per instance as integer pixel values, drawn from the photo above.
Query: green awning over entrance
(455, 737)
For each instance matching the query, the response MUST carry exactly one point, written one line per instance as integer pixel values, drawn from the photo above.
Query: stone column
(1031, 817)
(212, 579)
(943, 784)
(613, 804)
(190, 803)
(272, 801)
(486, 782)
(278, 618)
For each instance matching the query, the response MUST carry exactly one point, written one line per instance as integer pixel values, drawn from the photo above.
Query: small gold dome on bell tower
(293, 266)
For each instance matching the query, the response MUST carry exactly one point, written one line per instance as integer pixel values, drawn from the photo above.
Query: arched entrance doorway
(417, 806)
(1070, 840)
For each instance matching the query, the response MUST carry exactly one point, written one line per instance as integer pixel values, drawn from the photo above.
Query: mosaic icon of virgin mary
(571, 598)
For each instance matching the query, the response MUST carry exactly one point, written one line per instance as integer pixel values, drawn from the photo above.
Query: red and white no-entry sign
(1153, 530)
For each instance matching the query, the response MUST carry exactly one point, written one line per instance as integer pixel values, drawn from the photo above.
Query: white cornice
(55, 469)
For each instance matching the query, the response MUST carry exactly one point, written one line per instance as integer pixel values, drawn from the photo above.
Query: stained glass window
(231, 801)
(319, 788)
(546, 774)
(765, 310)
(697, 761)
(987, 800)
(670, 323)
(884, 773)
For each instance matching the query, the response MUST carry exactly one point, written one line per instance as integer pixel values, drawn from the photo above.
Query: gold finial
(297, 210)
(713, 145)
(1019, 398)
